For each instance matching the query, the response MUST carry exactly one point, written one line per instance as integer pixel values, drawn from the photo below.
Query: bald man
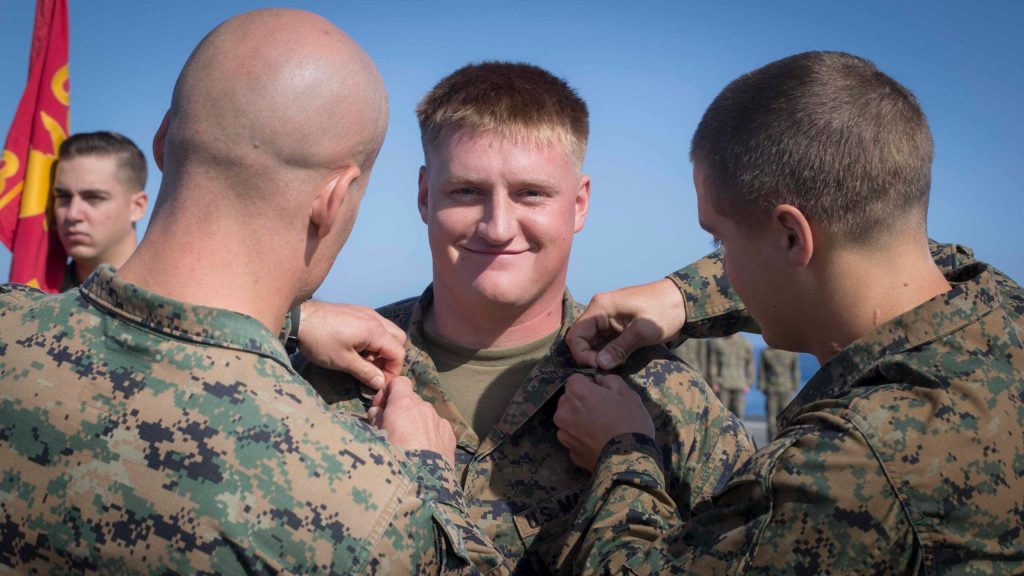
(151, 423)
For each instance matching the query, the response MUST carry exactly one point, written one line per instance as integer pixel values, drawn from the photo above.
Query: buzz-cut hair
(515, 101)
(131, 163)
(826, 132)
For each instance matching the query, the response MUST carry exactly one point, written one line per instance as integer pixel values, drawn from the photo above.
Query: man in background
(778, 378)
(99, 195)
(730, 370)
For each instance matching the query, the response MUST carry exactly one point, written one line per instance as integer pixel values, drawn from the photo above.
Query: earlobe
(798, 236)
(421, 197)
(582, 202)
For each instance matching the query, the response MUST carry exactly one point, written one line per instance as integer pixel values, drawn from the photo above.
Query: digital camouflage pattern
(903, 454)
(694, 351)
(142, 435)
(521, 487)
(778, 376)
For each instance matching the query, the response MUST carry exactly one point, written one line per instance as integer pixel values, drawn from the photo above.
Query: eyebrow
(471, 181)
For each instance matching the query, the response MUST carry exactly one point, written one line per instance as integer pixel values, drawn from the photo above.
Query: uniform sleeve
(463, 548)
(816, 502)
(714, 309)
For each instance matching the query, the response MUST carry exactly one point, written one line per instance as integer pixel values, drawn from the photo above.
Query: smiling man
(502, 195)
(99, 195)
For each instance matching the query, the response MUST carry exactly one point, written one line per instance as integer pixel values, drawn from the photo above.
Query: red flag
(26, 167)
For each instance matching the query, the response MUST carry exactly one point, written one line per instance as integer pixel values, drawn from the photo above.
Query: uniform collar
(546, 378)
(191, 322)
(974, 294)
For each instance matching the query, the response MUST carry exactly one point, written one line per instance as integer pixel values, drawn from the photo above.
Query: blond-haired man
(502, 195)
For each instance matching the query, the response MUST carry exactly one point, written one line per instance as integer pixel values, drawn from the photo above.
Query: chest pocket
(542, 528)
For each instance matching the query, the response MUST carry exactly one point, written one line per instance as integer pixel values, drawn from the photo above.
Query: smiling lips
(492, 252)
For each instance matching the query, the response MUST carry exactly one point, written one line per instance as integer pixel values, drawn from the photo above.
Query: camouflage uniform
(520, 484)
(778, 377)
(694, 351)
(143, 435)
(901, 455)
(730, 369)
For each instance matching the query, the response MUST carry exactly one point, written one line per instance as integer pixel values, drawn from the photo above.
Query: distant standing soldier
(730, 370)
(778, 377)
(695, 352)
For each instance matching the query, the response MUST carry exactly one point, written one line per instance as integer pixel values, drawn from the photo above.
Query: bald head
(270, 95)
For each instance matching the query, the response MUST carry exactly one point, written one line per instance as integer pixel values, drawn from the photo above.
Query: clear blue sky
(647, 70)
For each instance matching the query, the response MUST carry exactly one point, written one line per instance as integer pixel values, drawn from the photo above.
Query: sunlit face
(752, 264)
(501, 217)
(93, 209)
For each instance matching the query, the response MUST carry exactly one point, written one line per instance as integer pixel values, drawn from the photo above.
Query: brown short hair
(131, 163)
(520, 102)
(826, 132)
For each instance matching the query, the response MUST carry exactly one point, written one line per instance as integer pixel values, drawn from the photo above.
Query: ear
(326, 207)
(158, 142)
(421, 198)
(796, 238)
(582, 202)
(139, 201)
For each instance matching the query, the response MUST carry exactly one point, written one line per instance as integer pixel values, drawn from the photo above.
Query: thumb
(615, 352)
(362, 369)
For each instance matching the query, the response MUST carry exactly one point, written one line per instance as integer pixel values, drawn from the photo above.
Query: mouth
(494, 252)
(75, 237)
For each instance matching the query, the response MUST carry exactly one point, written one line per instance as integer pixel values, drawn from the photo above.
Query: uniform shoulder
(400, 312)
(14, 297)
(652, 366)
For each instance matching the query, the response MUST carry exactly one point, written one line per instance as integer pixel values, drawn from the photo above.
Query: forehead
(89, 172)
(469, 150)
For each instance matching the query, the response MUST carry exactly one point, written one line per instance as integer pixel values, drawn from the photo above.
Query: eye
(532, 195)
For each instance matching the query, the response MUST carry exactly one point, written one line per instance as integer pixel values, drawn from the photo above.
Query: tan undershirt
(481, 383)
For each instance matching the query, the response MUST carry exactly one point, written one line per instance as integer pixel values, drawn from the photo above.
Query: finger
(362, 369)
(380, 399)
(388, 353)
(615, 352)
(613, 382)
(373, 416)
(582, 339)
(400, 394)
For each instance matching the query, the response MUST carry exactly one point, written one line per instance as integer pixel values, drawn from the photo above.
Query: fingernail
(604, 358)
(378, 381)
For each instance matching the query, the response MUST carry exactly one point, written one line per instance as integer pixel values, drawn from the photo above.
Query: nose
(498, 223)
(73, 210)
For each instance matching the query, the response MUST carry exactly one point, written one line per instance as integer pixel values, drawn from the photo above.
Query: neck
(205, 258)
(116, 257)
(864, 289)
(481, 324)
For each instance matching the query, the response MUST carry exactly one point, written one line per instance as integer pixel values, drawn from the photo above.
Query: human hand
(592, 413)
(411, 422)
(353, 339)
(617, 323)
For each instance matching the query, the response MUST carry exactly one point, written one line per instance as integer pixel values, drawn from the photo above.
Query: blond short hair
(518, 102)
